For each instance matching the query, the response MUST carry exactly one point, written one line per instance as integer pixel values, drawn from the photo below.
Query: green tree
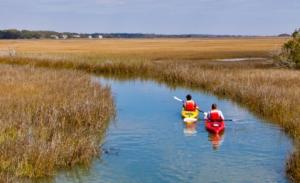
(290, 52)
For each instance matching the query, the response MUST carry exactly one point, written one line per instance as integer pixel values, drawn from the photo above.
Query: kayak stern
(215, 127)
(190, 114)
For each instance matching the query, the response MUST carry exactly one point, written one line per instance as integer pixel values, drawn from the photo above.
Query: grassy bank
(49, 120)
(267, 91)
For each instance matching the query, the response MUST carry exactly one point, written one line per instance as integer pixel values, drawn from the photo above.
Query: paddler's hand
(205, 115)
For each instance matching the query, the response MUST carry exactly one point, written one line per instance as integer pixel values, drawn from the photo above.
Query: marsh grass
(49, 120)
(150, 49)
(267, 91)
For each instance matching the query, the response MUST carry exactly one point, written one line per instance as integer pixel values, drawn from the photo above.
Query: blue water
(148, 142)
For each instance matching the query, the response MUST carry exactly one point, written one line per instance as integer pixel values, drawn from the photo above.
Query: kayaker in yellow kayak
(189, 104)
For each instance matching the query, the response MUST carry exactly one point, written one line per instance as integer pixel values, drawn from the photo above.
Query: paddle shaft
(221, 120)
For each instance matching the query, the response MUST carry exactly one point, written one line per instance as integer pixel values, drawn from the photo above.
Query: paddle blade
(178, 99)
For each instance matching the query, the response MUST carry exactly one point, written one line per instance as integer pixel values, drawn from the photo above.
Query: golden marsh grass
(49, 119)
(154, 49)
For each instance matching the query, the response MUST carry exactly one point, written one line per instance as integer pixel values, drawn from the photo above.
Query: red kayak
(215, 126)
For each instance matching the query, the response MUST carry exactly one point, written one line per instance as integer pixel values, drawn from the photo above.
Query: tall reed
(49, 119)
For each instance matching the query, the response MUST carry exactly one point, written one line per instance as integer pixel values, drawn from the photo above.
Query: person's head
(214, 106)
(188, 97)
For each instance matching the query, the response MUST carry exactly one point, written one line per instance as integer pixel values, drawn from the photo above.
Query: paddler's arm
(221, 115)
(197, 107)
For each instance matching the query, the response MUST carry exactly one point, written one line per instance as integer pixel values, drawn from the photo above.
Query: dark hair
(189, 97)
(214, 106)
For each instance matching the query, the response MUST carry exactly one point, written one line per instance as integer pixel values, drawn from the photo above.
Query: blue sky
(247, 17)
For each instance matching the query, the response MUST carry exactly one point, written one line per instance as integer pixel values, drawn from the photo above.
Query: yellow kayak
(189, 114)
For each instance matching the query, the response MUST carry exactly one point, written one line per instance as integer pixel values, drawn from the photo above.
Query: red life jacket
(190, 105)
(214, 116)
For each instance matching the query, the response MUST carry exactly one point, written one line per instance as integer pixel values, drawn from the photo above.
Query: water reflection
(190, 129)
(216, 140)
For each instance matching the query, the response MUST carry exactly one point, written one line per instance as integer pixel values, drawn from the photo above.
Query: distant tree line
(290, 52)
(24, 34)
(27, 34)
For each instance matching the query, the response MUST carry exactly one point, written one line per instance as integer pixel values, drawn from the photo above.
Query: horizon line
(158, 34)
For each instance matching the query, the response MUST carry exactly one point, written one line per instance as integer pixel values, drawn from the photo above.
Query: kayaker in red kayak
(214, 120)
(189, 104)
(215, 114)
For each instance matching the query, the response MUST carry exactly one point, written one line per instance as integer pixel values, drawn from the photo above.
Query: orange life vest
(190, 105)
(215, 116)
